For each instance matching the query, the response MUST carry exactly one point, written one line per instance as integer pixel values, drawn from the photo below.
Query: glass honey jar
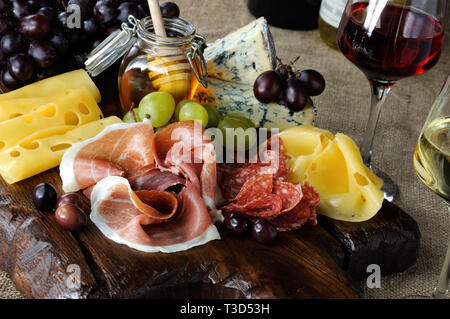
(152, 63)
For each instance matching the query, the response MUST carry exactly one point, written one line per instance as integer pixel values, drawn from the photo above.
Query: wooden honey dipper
(169, 72)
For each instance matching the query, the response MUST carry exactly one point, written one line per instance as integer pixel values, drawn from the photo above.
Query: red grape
(34, 27)
(313, 82)
(20, 9)
(104, 11)
(12, 43)
(50, 13)
(126, 9)
(90, 26)
(295, 95)
(21, 67)
(268, 86)
(42, 52)
(6, 24)
(9, 80)
(170, 9)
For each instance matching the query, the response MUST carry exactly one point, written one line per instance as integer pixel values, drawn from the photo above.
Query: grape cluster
(293, 87)
(41, 38)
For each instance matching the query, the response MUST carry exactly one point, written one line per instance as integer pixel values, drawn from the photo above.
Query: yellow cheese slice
(33, 156)
(71, 107)
(333, 165)
(71, 80)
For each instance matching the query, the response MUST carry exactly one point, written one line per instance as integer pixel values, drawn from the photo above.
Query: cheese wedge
(71, 80)
(32, 156)
(239, 99)
(348, 190)
(242, 55)
(70, 108)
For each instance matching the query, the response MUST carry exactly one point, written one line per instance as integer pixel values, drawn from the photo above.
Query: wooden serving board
(308, 263)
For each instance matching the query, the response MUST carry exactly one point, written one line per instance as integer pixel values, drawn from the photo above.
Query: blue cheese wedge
(233, 98)
(242, 55)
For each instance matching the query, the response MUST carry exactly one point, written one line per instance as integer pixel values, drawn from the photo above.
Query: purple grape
(104, 11)
(50, 13)
(3, 5)
(62, 18)
(126, 9)
(2, 57)
(313, 82)
(34, 27)
(48, 72)
(295, 95)
(170, 9)
(90, 26)
(43, 53)
(9, 80)
(267, 87)
(20, 9)
(12, 43)
(21, 67)
(6, 24)
(36, 4)
(59, 41)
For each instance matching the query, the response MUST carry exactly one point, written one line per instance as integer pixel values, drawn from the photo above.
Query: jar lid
(112, 48)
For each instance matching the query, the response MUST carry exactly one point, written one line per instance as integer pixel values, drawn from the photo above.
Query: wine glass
(432, 164)
(387, 41)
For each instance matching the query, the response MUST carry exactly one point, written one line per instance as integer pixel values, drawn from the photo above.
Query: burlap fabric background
(344, 107)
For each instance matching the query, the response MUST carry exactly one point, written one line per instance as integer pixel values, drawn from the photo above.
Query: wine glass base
(389, 189)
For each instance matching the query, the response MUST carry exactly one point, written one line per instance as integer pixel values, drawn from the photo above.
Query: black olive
(44, 197)
(70, 217)
(263, 231)
(236, 223)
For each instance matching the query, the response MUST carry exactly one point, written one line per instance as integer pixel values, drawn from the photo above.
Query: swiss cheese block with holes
(348, 190)
(71, 107)
(37, 154)
(71, 80)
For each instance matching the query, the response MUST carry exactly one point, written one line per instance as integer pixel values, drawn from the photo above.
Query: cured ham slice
(152, 192)
(127, 217)
(186, 148)
(120, 149)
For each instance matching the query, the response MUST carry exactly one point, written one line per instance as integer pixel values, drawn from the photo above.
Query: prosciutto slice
(120, 215)
(151, 192)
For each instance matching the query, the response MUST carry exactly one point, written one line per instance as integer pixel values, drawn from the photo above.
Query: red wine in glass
(388, 41)
(404, 41)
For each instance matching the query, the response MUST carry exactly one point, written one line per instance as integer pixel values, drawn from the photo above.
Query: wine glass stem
(441, 291)
(379, 93)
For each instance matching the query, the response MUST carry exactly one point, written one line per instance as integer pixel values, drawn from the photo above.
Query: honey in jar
(155, 63)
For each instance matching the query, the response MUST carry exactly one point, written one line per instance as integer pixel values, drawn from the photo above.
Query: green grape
(179, 106)
(233, 121)
(193, 111)
(213, 115)
(158, 106)
(130, 118)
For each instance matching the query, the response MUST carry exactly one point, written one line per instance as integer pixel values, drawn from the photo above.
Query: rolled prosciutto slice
(144, 192)
(148, 220)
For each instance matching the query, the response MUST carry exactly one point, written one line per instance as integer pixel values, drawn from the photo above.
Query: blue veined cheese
(243, 54)
(233, 98)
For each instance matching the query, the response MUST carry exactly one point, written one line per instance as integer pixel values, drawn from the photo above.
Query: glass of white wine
(432, 165)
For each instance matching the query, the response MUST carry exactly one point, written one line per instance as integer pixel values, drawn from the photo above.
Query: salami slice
(263, 206)
(290, 194)
(255, 187)
(303, 213)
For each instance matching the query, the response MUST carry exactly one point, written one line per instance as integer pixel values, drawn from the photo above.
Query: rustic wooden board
(36, 252)
(308, 263)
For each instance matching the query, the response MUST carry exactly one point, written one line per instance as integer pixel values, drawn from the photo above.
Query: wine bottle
(330, 15)
(288, 14)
